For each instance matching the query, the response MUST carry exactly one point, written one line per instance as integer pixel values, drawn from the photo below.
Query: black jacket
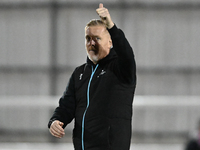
(100, 98)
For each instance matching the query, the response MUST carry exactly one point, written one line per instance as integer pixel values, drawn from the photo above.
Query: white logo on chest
(102, 73)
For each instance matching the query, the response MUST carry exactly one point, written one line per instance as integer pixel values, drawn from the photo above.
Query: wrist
(110, 25)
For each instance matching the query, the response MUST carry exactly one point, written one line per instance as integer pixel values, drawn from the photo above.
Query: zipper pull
(80, 77)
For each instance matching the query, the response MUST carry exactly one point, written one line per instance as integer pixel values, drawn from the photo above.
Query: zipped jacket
(99, 98)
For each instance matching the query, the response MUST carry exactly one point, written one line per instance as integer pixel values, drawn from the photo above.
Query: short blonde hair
(95, 22)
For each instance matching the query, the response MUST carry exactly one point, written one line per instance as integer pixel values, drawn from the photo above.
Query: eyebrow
(87, 36)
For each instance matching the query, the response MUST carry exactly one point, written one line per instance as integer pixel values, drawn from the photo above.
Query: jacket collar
(109, 57)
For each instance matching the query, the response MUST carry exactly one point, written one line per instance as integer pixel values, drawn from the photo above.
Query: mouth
(92, 50)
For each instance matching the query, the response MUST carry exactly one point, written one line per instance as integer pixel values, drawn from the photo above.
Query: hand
(105, 16)
(56, 129)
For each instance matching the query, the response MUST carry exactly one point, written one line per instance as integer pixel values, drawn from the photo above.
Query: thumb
(61, 124)
(100, 5)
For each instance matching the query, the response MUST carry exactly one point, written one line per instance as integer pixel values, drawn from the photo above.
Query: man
(100, 92)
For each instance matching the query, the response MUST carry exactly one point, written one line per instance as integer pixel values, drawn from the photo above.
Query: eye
(87, 38)
(97, 38)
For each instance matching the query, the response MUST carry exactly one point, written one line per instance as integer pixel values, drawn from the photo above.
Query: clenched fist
(105, 16)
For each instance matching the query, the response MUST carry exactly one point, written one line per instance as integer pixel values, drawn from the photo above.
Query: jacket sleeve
(126, 65)
(65, 112)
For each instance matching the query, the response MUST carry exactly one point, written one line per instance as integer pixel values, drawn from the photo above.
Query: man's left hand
(105, 16)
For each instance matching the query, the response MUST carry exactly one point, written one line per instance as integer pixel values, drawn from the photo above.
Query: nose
(92, 42)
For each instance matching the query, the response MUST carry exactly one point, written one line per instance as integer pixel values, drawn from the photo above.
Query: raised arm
(126, 61)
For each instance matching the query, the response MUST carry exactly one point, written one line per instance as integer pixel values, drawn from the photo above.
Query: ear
(110, 43)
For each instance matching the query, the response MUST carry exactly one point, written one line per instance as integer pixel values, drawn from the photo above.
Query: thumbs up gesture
(105, 16)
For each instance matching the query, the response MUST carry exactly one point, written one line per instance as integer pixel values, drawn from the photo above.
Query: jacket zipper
(88, 103)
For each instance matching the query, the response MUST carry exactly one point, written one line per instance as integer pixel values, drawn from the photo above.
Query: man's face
(97, 42)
